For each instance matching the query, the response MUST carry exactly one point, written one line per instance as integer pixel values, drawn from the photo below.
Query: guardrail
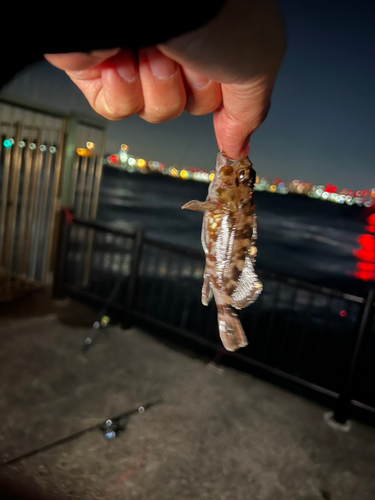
(313, 339)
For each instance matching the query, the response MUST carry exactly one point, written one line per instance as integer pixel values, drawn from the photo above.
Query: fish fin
(199, 206)
(248, 288)
(206, 290)
(231, 332)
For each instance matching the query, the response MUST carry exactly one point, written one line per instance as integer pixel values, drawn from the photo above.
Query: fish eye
(241, 175)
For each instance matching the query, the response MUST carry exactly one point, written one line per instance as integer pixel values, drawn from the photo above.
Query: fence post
(62, 246)
(127, 316)
(341, 412)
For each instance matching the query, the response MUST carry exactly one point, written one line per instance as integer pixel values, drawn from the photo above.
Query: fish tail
(230, 329)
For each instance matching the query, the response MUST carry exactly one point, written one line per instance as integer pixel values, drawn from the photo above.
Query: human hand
(228, 66)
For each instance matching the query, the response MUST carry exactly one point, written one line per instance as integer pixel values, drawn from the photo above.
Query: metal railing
(39, 169)
(319, 340)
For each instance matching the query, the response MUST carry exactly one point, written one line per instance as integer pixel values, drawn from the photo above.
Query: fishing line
(101, 426)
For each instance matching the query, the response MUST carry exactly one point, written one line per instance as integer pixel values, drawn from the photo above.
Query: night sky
(321, 126)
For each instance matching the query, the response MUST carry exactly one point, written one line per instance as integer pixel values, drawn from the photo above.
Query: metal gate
(40, 169)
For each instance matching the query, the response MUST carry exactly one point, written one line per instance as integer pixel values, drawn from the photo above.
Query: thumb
(245, 107)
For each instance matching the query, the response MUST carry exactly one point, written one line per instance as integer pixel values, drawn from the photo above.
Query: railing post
(341, 412)
(62, 247)
(127, 316)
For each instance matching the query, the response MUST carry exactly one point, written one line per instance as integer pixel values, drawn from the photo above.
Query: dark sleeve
(137, 24)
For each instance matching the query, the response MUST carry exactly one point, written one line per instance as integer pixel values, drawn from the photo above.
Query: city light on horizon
(327, 192)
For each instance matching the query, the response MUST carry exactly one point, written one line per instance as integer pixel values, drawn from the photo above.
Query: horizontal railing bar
(362, 406)
(310, 286)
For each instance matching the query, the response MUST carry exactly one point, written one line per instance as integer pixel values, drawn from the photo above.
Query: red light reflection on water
(371, 221)
(366, 254)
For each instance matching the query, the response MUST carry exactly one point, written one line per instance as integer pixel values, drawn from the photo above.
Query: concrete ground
(212, 433)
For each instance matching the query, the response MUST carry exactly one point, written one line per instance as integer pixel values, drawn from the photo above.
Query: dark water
(298, 236)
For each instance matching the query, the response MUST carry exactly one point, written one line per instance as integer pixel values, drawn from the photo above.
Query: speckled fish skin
(229, 234)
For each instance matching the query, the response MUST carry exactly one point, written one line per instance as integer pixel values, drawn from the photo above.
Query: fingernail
(125, 66)
(195, 80)
(161, 66)
(199, 84)
(127, 73)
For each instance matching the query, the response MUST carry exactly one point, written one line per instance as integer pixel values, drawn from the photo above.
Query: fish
(229, 235)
